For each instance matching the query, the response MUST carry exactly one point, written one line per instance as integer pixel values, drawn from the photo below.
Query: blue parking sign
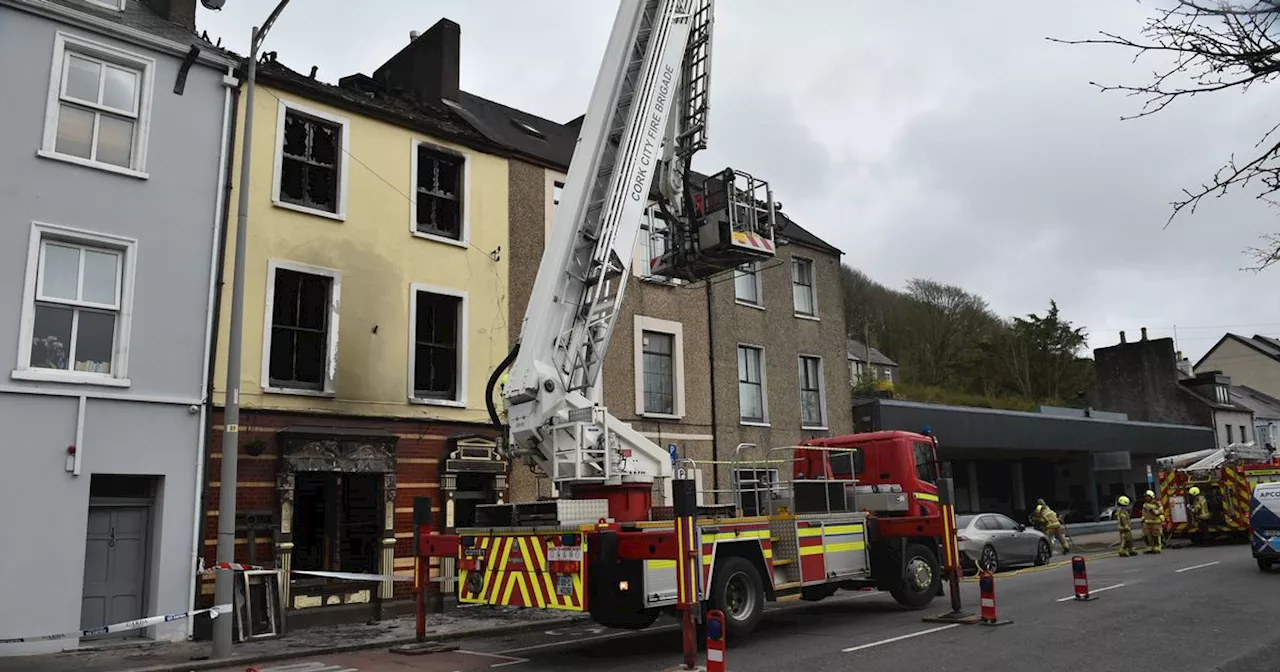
(675, 453)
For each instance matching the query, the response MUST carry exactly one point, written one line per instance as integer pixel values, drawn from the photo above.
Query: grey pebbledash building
(115, 129)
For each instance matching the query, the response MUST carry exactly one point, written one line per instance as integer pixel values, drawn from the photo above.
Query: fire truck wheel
(737, 591)
(921, 580)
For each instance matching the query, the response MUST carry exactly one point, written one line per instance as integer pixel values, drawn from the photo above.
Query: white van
(1264, 523)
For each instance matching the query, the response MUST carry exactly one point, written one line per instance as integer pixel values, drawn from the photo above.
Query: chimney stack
(1122, 337)
(413, 35)
(1144, 333)
(428, 68)
(181, 12)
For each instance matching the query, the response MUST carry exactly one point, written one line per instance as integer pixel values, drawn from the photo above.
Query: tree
(944, 324)
(1041, 356)
(1213, 46)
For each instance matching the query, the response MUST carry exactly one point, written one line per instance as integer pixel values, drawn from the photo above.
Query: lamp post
(224, 580)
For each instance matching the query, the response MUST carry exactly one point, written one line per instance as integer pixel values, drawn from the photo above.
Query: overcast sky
(936, 139)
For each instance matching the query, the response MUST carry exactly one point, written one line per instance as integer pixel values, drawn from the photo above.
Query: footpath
(140, 656)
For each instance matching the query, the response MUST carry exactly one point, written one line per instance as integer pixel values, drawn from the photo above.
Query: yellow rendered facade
(376, 261)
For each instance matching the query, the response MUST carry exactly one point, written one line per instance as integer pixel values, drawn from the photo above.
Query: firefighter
(1037, 515)
(1152, 522)
(1199, 515)
(1125, 524)
(1052, 526)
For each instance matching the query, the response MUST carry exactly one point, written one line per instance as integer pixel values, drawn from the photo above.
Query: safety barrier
(126, 626)
(1080, 577)
(987, 598)
(715, 641)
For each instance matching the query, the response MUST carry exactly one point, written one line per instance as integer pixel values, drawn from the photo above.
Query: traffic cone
(1080, 576)
(987, 598)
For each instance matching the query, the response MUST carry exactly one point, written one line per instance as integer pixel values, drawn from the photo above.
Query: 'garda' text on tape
(126, 626)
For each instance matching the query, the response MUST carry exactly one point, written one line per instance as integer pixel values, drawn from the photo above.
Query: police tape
(126, 626)
(343, 576)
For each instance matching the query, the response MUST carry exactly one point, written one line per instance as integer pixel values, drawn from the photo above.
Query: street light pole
(223, 587)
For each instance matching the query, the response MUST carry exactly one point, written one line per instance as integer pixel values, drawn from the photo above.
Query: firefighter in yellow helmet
(1152, 522)
(1199, 515)
(1037, 515)
(1124, 523)
(1052, 526)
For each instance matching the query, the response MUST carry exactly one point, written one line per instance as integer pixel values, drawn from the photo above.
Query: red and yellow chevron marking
(514, 574)
(758, 532)
(1236, 491)
(744, 239)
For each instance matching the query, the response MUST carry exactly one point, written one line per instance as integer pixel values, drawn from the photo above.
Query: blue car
(1264, 521)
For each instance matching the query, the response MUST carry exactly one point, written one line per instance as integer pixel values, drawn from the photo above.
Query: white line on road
(1098, 590)
(900, 638)
(1187, 569)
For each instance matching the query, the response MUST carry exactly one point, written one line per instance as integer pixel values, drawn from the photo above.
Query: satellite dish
(215, 5)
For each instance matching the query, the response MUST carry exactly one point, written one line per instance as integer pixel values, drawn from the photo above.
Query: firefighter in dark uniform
(1152, 523)
(1124, 523)
(1199, 516)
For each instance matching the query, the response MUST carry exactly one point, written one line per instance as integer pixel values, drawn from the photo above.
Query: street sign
(675, 452)
(1151, 479)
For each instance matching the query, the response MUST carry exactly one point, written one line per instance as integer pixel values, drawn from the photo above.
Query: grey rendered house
(111, 203)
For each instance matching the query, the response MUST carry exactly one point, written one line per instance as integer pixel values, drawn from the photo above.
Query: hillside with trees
(952, 348)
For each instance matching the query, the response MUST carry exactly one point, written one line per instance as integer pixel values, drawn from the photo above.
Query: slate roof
(1263, 345)
(1262, 405)
(858, 351)
(139, 16)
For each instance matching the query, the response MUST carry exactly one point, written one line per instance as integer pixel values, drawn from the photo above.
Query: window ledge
(71, 377)
(270, 389)
(747, 304)
(438, 402)
(749, 423)
(441, 239)
(88, 163)
(339, 217)
(660, 416)
(814, 428)
(813, 318)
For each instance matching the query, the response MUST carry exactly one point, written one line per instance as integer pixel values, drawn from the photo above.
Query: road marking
(1097, 590)
(309, 667)
(900, 638)
(1207, 564)
(510, 660)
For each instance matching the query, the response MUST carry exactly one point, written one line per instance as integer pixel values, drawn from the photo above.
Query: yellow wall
(379, 259)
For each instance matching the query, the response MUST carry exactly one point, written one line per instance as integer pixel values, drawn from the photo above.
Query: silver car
(993, 541)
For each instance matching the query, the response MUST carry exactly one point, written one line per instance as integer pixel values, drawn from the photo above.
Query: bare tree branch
(1209, 47)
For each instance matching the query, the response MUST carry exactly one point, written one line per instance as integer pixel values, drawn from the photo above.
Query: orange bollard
(715, 641)
(987, 598)
(1081, 579)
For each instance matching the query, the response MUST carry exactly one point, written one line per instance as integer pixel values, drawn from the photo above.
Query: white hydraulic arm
(655, 64)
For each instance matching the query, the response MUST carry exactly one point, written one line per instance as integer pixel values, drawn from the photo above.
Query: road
(1193, 609)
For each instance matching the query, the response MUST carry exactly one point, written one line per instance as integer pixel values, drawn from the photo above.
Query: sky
(936, 139)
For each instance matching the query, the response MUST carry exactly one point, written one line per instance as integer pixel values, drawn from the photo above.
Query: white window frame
(764, 386)
(642, 324)
(641, 259)
(119, 376)
(117, 5)
(344, 172)
(97, 51)
(464, 240)
(330, 387)
(813, 288)
(759, 278)
(464, 337)
(822, 393)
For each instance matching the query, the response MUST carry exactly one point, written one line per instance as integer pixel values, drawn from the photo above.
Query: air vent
(528, 129)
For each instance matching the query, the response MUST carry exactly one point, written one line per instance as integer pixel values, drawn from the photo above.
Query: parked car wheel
(990, 560)
(1264, 565)
(1043, 552)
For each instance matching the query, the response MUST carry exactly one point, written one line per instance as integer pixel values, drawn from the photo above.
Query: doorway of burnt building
(337, 521)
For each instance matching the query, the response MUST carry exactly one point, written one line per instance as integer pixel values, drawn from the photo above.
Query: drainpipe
(715, 419)
(231, 111)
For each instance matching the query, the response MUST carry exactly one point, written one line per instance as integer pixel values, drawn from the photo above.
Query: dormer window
(1221, 391)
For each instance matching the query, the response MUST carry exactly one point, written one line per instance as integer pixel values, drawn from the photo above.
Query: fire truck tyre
(737, 591)
(1042, 553)
(921, 580)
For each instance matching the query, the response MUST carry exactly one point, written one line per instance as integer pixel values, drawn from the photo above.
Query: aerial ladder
(646, 119)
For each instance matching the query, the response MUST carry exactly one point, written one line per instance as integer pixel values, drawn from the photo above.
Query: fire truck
(1225, 476)
(848, 512)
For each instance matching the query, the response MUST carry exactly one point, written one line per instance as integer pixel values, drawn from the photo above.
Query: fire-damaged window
(310, 162)
(337, 521)
(439, 193)
(437, 346)
(302, 323)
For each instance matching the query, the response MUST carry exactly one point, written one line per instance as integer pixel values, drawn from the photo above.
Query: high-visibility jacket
(1050, 519)
(1200, 507)
(1152, 513)
(1124, 521)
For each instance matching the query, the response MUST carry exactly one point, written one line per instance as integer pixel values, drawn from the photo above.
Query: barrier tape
(345, 576)
(126, 626)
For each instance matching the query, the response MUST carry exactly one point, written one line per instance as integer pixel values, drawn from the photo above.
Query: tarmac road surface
(1189, 610)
